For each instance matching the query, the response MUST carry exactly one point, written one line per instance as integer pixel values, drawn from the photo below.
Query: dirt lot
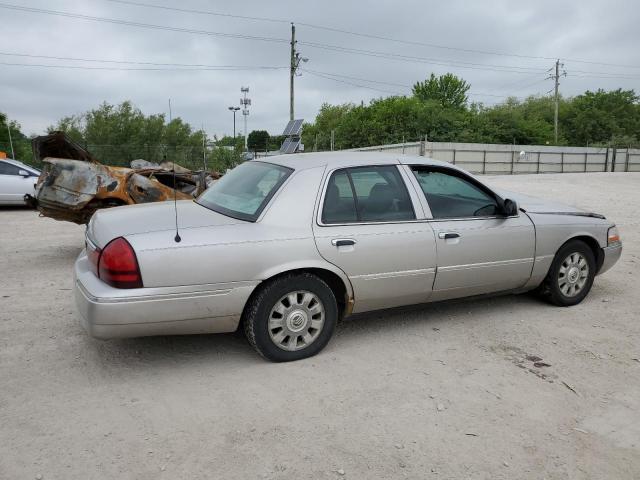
(444, 391)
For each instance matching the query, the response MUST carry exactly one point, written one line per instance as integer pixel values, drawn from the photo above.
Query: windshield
(245, 191)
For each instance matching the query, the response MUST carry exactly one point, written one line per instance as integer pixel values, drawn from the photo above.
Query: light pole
(234, 110)
(245, 102)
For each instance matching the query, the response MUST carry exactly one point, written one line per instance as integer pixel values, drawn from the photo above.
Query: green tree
(603, 117)
(328, 119)
(258, 140)
(117, 134)
(21, 143)
(528, 122)
(448, 90)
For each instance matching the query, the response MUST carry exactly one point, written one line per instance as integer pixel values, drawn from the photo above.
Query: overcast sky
(36, 96)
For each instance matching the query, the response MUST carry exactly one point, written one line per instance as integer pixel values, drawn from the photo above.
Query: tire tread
(264, 291)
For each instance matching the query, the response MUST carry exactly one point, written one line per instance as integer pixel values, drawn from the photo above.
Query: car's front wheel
(291, 317)
(571, 274)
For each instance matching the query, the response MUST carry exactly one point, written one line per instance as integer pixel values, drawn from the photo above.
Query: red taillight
(118, 265)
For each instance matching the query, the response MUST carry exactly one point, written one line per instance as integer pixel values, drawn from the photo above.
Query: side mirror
(24, 173)
(510, 207)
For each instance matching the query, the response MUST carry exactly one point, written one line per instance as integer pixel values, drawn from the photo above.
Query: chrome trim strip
(485, 264)
(93, 246)
(403, 273)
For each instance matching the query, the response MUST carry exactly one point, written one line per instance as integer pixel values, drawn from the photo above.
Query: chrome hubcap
(573, 274)
(296, 320)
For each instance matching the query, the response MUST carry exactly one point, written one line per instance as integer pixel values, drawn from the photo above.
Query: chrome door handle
(342, 242)
(448, 235)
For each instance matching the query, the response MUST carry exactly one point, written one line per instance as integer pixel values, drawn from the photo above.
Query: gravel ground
(443, 391)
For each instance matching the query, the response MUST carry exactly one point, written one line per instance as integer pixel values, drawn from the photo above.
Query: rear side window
(367, 194)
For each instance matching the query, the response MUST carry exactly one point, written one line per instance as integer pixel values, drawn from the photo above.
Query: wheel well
(593, 244)
(334, 282)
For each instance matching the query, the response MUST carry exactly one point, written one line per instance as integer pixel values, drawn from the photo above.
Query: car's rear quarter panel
(281, 240)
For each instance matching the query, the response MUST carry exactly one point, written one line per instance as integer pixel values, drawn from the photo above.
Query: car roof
(18, 163)
(301, 161)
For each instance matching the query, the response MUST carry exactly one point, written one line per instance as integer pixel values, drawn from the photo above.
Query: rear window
(245, 191)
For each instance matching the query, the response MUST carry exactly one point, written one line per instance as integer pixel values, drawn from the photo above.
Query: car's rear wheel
(571, 274)
(291, 317)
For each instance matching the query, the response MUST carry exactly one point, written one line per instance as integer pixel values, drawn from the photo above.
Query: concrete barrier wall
(515, 159)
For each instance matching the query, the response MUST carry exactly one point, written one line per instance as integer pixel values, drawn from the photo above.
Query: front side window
(8, 169)
(367, 194)
(245, 191)
(451, 196)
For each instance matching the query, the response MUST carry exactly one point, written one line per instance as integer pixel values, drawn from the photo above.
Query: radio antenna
(175, 203)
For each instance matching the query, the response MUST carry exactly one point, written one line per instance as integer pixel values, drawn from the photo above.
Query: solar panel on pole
(285, 145)
(296, 128)
(293, 146)
(287, 129)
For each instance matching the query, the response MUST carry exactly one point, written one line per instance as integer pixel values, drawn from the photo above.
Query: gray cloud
(37, 97)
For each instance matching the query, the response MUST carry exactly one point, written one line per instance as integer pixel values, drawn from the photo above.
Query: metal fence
(517, 159)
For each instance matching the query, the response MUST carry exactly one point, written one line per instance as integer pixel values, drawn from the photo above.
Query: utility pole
(293, 69)
(170, 111)
(245, 102)
(13, 154)
(556, 78)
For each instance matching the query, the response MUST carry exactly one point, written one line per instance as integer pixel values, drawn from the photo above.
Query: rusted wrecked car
(74, 184)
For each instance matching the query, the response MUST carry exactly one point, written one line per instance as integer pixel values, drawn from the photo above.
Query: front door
(368, 228)
(479, 249)
(14, 186)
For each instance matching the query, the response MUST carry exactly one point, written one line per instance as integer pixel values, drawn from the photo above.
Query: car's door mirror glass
(23, 173)
(510, 207)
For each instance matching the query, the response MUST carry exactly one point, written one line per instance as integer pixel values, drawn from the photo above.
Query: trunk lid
(105, 225)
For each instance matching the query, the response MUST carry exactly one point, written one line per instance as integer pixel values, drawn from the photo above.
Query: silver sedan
(285, 248)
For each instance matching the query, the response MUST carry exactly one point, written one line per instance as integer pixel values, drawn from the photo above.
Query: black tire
(550, 288)
(258, 310)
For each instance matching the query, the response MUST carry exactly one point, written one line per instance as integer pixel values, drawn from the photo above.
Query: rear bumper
(611, 256)
(108, 312)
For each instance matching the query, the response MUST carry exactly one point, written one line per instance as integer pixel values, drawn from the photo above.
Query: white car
(16, 181)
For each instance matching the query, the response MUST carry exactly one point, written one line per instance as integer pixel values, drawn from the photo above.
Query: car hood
(540, 206)
(107, 224)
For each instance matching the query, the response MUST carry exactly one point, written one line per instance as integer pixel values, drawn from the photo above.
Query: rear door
(479, 249)
(371, 226)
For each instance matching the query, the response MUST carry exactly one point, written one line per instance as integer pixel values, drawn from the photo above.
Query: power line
(365, 35)
(430, 61)
(130, 62)
(149, 69)
(479, 94)
(200, 12)
(338, 78)
(336, 48)
(141, 25)
(615, 77)
(353, 84)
